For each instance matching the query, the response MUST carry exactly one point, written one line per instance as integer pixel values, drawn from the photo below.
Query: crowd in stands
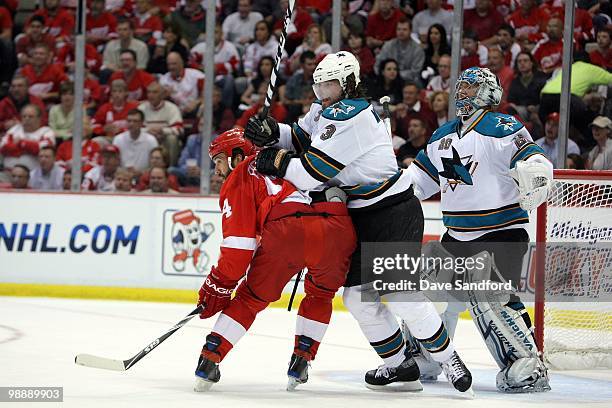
(144, 82)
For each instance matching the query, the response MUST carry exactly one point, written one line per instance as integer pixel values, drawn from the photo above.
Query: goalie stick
(89, 360)
(279, 55)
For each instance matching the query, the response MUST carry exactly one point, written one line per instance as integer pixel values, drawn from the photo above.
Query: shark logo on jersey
(507, 123)
(456, 172)
(341, 107)
(329, 131)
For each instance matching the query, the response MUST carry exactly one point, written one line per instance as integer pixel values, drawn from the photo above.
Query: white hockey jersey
(469, 164)
(344, 145)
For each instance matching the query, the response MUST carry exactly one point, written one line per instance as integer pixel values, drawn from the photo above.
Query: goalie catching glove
(273, 161)
(262, 132)
(533, 177)
(215, 294)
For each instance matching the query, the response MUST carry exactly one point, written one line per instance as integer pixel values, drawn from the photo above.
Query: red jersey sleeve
(239, 222)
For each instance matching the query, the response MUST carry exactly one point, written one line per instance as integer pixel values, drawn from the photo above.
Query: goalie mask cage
(573, 282)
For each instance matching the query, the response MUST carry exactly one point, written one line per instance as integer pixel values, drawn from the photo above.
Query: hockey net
(574, 294)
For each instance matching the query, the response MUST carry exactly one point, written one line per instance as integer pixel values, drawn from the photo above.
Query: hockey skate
(297, 372)
(207, 374)
(404, 377)
(457, 374)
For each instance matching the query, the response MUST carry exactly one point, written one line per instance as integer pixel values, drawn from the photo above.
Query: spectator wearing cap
(409, 55)
(102, 176)
(137, 79)
(20, 176)
(17, 98)
(382, 24)
(434, 13)
(126, 41)
(549, 143)
(135, 144)
(600, 157)
(602, 55)
(22, 142)
(34, 35)
(158, 182)
(48, 175)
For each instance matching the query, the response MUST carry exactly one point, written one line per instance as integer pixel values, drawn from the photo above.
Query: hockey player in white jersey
(343, 142)
(490, 174)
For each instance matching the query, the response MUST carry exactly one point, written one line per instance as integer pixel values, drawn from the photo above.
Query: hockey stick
(89, 360)
(279, 54)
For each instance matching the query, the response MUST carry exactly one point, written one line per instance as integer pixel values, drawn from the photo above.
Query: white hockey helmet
(488, 93)
(339, 65)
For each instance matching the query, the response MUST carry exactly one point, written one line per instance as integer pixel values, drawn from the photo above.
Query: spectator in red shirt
(90, 150)
(506, 43)
(34, 35)
(277, 110)
(65, 56)
(602, 55)
(101, 25)
(583, 21)
(505, 74)
(44, 78)
(549, 51)
(18, 97)
(59, 22)
(356, 45)
(484, 19)
(411, 107)
(111, 118)
(147, 27)
(528, 21)
(6, 24)
(301, 21)
(157, 158)
(382, 24)
(137, 79)
(473, 54)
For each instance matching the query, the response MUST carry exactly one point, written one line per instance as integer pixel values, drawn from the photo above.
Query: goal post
(573, 281)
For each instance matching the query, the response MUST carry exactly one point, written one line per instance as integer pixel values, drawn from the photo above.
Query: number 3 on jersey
(227, 209)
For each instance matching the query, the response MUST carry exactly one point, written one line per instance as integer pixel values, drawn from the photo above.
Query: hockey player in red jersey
(294, 232)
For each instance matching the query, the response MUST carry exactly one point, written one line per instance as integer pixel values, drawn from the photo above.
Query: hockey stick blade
(89, 360)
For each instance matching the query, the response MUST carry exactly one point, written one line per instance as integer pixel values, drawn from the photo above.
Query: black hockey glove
(273, 161)
(262, 132)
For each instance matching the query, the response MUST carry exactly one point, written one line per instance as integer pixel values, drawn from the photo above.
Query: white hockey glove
(534, 181)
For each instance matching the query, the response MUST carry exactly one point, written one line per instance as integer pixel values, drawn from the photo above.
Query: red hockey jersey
(246, 199)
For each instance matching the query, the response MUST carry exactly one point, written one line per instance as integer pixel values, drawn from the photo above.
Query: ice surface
(39, 338)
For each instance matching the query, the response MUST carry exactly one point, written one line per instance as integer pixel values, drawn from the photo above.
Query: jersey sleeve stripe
(319, 165)
(239, 243)
(423, 163)
(526, 151)
(300, 138)
(327, 159)
(373, 190)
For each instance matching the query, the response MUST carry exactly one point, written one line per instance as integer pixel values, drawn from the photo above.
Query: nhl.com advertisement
(108, 240)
